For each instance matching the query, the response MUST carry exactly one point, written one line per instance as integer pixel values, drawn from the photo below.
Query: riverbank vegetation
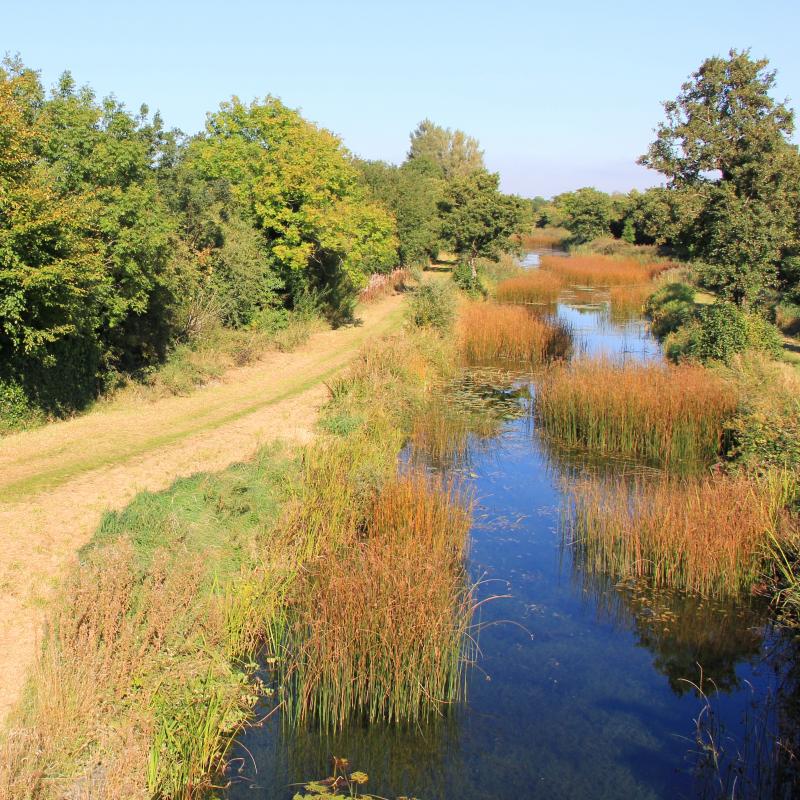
(489, 333)
(534, 286)
(132, 253)
(672, 416)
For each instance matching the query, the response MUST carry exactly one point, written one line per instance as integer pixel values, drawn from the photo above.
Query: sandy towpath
(56, 482)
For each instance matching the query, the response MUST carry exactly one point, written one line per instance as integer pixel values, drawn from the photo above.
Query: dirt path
(56, 482)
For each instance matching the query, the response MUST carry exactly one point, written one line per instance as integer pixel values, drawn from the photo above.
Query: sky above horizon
(560, 95)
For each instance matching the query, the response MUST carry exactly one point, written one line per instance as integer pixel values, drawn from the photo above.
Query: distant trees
(451, 154)
(725, 150)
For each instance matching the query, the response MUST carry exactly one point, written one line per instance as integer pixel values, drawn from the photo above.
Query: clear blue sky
(561, 94)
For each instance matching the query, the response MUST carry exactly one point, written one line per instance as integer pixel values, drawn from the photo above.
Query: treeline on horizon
(120, 238)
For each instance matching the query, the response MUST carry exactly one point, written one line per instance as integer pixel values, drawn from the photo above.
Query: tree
(297, 183)
(478, 221)
(453, 154)
(586, 213)
(412, 195)
(727, 141)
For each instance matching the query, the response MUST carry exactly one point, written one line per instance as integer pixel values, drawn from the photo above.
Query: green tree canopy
(297, 183)
(478, 221)
(727, 141)
(452, 154)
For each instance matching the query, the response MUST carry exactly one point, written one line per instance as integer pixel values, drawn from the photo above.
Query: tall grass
(598, 270)
(538, 238)
(488, 333)
(665, 414)
(378, 625)
(534, 286)
(708, 535)
(627, 301)
(383, 284)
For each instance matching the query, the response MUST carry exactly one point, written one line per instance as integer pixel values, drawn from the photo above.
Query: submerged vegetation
(667, 415)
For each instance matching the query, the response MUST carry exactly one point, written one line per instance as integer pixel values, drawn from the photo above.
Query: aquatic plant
(535, 286)
(627, 301)
(708, 535)
(666, 414)
(488, 333)
(378, 626)
(598, 270)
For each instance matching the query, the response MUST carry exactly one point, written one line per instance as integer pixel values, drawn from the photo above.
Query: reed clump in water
(489, 333)
(597, 270)
(627, 302)
(672, 415)
(535, 286)
(708, 535)
(378, 625)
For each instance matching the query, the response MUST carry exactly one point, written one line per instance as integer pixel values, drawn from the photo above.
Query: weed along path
(56, 482)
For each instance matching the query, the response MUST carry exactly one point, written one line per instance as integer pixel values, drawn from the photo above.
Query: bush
(720, 331)
(464, 278)
(433, 305)
(669, 308)
(16, 410)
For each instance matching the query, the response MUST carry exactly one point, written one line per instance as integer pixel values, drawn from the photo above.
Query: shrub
(466, 280)
(433, 305)
(669, 308)
(17, 412)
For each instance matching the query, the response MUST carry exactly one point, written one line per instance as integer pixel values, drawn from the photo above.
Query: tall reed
(597, 270)
(378, 628)
(627, 301)
(488, 333)
(672, 415)
(535, 286)
(708, 535)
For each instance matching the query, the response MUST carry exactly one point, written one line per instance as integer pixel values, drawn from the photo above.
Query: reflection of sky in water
(580, 691)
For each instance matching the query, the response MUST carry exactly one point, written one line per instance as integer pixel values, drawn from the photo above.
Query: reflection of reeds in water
(667, 414)
(489, 333)
(707, 535)
(682, 630)
(379, 625)
(596, 270)
(535, 286)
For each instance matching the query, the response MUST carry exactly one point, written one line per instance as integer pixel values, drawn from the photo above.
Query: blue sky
(561, 94)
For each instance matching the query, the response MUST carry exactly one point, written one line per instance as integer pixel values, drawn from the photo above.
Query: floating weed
(708, 535)
(535, 286)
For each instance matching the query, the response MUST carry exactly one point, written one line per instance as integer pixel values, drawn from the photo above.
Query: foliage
(433, 305)
(411, 194)
(586, 213)
(670, 307)
(440, 151)
(726, 143)
(477, 220)
(299, 186)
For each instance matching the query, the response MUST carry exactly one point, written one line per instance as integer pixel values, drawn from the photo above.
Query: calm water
(582, 690)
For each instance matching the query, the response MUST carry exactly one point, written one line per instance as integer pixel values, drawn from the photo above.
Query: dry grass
(598, 270)
(673, 415)
(489, 333)
(709, 535)
(535, 286)
(378, 626)
(380, 284)
(543, 237)
(627, 301)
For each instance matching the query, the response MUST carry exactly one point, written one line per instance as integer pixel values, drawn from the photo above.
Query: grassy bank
(149, 668)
